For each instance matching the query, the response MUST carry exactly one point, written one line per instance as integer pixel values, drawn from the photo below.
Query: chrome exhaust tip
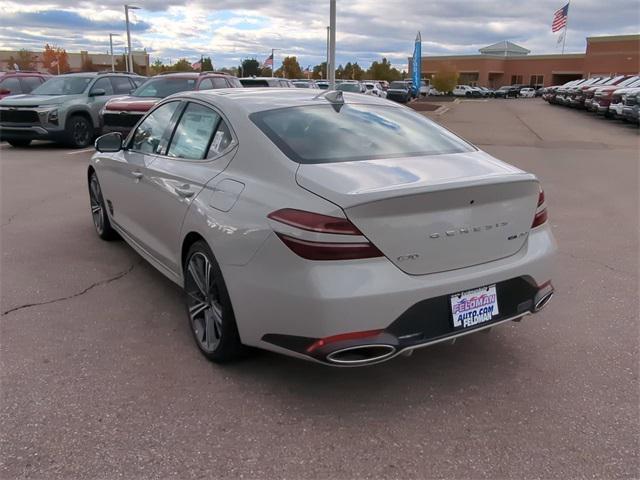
(543, 302)
(361, 354)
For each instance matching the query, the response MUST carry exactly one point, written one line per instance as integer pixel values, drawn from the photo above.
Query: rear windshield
(163, 87)
(398, 85)
(320, 134)
(349, 87)
(254, 83)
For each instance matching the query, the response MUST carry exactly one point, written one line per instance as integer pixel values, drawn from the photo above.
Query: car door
(96, 102)
(201, 147)
(124, 176)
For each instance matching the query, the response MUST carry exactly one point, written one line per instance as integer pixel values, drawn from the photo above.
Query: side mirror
(97, 92)
(109, 142)
(4, 91)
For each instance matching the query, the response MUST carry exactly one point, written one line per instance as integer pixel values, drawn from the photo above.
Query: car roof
(259, 99)
(263, 78)
(99, 74)
(28, 73)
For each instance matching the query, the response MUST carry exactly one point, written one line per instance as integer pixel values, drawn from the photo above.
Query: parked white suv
(464, 91)
(374, 88)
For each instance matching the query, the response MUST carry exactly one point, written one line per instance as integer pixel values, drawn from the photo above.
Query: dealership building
(506, 63)
(99, 61)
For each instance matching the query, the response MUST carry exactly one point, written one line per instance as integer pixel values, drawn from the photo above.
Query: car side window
(205, 84)
(193, 133)
(151, 136)
(213, 82)
(104, 84)
(221, 140)
(29, 83)
(121, 85)
(12, 84)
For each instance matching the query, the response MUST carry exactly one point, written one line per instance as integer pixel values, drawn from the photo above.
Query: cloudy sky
(228, 30)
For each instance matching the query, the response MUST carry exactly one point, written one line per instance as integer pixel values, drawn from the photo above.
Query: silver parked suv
(64, 109)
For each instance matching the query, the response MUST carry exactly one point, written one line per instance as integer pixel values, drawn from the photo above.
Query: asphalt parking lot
(100, 377)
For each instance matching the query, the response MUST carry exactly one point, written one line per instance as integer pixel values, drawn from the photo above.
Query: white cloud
(228, 30)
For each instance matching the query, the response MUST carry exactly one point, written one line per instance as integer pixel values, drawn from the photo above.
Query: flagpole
(566, 25)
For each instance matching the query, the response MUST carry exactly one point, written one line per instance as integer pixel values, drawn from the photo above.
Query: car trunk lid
(432, 213)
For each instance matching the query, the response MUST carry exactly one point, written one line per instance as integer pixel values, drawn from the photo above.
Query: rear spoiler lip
(355, 198)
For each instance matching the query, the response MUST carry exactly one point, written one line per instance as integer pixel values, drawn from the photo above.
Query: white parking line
(84, 150)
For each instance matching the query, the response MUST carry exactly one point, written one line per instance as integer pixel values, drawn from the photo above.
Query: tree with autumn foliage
(290, 68)
(25, 60)
(55, 59)
(445, 79)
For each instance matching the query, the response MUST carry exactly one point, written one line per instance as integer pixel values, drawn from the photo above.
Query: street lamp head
(131, 7)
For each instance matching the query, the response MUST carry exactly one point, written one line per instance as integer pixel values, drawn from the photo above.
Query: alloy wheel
(97, 212)
(80, 132)
(203, 302)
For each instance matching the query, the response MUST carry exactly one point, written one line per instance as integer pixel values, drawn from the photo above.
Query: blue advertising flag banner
(417, 64)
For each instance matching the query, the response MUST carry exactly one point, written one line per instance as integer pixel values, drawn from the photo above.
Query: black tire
(19, 142)
(209, 310)
(99, 211)
(79, 132)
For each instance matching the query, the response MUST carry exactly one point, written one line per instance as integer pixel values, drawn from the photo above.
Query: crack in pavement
(30, 207)
(118, 276)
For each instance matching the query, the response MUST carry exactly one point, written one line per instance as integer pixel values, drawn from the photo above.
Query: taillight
(541, 211)
(314, 222)
(540, 218)
(345, 336)
(312, 250)
(317, 249)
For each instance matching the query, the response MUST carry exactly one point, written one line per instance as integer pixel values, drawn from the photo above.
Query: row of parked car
(507, 91)
(615, 96)
(74, 108)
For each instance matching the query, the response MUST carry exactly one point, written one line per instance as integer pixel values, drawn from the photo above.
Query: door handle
(184, 191)
(138, 175)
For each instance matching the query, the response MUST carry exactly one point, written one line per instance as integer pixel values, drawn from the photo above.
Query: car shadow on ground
(434, 377)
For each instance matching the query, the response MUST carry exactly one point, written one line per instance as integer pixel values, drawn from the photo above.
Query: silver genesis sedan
(334, 227)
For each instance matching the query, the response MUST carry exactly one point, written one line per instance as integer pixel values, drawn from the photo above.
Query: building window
(516, 79)
(537, 80)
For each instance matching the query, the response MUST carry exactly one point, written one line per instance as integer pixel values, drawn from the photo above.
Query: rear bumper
(313, 300)
(426, 323)
(398, 98)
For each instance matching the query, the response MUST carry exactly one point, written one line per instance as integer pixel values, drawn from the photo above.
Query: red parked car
(121, 114)
(21, 81)
(589, 93)
(603, 96)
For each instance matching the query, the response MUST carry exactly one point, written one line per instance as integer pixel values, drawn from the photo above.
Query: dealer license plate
(474, 307)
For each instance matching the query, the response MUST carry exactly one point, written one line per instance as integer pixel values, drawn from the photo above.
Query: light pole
(126, 16)
(326, 67)
(273, 62)
(113, 64)
(332, 44)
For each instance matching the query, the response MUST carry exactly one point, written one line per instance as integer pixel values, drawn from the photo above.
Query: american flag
(560, 19)
(269, 61)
